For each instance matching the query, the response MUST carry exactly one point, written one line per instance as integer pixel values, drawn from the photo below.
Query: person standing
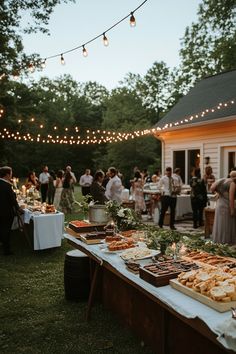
(198, 197)
(114, 186)
(85, 181)
(139, 202)
(44, 180)
(8, 208)
(67, 195)
(58, 188)
(97, 190)
(224, 227)
(169, 197)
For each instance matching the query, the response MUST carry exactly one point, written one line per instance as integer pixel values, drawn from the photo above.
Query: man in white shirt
(114, 186)
(43, 180)
(168, 184)
(85, 181)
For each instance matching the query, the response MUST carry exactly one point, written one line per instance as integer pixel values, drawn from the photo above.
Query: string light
(105, 40)
(62, 60)
(31, 67)
(85, 53)
(102, 136)
(43, 64)
(132, 20)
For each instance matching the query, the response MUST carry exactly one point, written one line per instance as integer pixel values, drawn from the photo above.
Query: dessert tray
(159, 273)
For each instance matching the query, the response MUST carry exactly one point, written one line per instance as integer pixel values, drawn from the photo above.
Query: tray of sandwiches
(81, 226)
(160, 273)
(119, 245)
(215, 288)
(206, 259)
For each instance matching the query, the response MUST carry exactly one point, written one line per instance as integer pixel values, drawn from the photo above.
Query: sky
(156, 37)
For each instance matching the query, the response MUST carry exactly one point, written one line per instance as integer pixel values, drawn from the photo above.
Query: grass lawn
(36, 318)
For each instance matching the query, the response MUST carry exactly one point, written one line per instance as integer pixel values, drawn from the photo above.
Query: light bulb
(62, 60)
(43, 64)
(105, 40)
(31, 67)
(85, 53)
(132, 20)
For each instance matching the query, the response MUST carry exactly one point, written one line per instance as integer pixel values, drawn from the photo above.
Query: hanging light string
(99, 136)
(103, 34)
(31, 66)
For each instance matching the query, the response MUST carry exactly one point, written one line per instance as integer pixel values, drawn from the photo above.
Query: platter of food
(82, 226)
(215, 288)
(207, 259)
(159, 273)
(139, 253)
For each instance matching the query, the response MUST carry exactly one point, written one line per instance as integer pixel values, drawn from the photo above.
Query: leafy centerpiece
(124, 218)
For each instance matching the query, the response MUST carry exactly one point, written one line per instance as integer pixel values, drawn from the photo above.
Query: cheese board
(216, 305)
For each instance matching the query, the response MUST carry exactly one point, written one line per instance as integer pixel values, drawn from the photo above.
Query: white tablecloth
(183, 206)
(182, 304)
(48, 229)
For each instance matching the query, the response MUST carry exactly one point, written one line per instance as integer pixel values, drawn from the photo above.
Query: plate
(138, 253)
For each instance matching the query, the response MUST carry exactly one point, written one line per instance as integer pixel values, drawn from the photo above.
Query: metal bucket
(98, 214)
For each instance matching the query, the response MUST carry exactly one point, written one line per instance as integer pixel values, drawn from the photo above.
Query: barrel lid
(76, 253)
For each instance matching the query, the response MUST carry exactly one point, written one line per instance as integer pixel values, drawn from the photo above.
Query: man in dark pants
(169, 197)
(8, 207)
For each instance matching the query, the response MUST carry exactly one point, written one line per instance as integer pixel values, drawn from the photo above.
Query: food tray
(85, 228)
(93, 238)
(159, 273)
(216, 305)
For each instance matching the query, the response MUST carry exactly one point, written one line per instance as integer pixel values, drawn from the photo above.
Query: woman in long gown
(58, 188)
(67, 195)
(224, 228)
(140, 205)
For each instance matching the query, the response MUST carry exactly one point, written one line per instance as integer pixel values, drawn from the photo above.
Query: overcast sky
(156, 37)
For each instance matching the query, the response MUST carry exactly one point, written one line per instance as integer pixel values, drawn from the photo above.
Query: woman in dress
(138, 196)
(198, 197)
(32, 181)
(58, 188)
(224, 227)
(51, 187)
(209, 178)
(97, 190)
(67, 195)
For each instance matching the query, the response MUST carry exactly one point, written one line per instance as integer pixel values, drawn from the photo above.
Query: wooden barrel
(76, 276)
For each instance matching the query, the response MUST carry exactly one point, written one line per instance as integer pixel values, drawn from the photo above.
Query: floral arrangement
(124, 218)
(162, 238)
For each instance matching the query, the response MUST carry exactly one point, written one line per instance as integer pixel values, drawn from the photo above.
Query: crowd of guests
(58, 189)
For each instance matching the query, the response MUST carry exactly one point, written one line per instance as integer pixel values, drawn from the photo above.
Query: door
(229, 159)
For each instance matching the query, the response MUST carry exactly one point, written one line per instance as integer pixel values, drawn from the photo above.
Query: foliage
(125, 218)
(160, 236)
(12, 56)
(197, 243)
(209, 45)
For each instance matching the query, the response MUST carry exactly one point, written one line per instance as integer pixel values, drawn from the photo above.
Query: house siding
(208, 138)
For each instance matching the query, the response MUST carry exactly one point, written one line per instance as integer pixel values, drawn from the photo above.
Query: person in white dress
(58, 183)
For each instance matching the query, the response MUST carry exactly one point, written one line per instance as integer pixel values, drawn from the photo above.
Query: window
(186, 160)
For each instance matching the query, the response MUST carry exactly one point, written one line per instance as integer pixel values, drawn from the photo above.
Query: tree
(12, 56)
(126, 113)
(208, 46)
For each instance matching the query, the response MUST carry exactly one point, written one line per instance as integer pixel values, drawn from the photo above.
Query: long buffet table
(166, 319)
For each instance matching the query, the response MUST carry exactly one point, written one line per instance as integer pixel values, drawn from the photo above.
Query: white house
(201, 128)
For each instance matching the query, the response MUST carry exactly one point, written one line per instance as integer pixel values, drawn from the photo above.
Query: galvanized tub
(98, 214)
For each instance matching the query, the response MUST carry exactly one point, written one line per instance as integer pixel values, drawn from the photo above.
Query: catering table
(166, 319)
(47, 229)
(183, 206)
